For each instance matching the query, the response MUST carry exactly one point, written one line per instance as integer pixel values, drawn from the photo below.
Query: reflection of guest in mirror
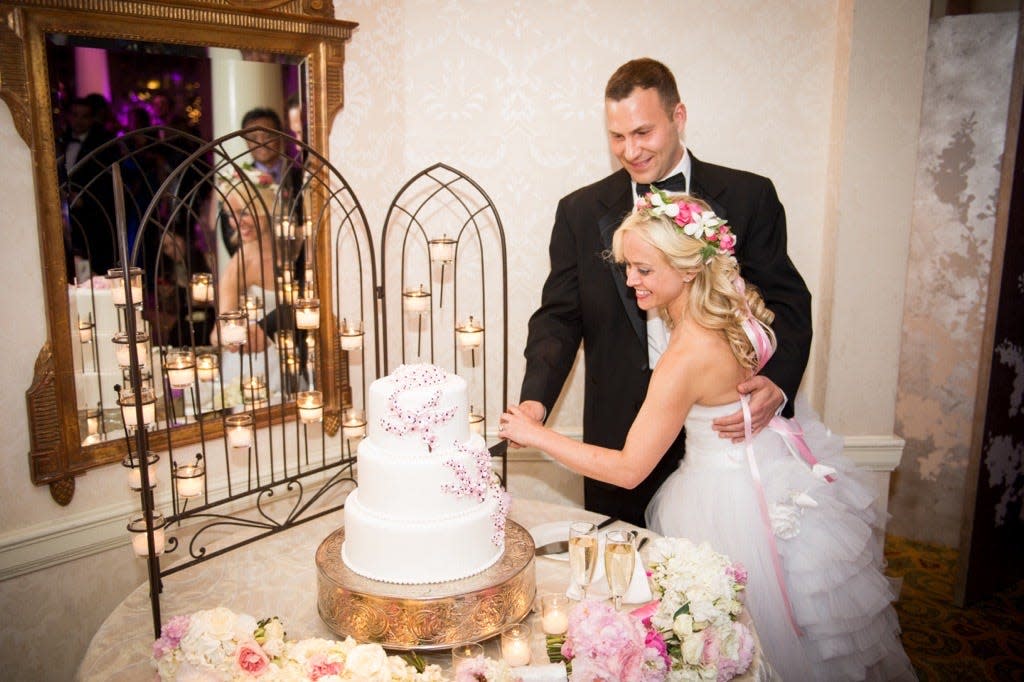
(296, 124)
(89, 196)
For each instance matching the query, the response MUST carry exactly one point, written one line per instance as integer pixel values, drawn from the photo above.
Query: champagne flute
(582, 553)
(619, 558)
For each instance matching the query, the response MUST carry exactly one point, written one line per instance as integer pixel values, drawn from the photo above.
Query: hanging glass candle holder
(134, 466)
(442, 252)
(234, 327)
(351, 334)
(310, 405)
(307, 313)
(122, 352)
(417, 301)
(190, 479)
(115, 278)
(470, 334)
(201, 286)
(140, 540)
(128, 402)
(238, 430)
(206, 367)
(179, 366)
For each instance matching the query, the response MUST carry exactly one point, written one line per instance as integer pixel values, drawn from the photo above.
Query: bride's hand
(517, 427)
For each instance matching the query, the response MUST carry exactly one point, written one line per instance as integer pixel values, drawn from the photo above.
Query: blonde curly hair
(715, 301)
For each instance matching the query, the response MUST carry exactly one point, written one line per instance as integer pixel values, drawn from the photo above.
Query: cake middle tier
(419, 552)
(418, 485)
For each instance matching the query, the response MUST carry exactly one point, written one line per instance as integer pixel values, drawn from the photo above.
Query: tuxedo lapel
(703, 187)
(618, 203)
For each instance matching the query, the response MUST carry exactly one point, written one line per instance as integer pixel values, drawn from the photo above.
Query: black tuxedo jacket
(585, 300)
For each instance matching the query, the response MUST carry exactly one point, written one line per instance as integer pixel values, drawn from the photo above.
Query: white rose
(683, 625)
(368, 662)
(692, 649)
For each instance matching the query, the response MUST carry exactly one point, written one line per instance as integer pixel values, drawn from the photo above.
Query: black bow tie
(673, 183)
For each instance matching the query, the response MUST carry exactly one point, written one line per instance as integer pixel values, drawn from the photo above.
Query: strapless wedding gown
(827, 543)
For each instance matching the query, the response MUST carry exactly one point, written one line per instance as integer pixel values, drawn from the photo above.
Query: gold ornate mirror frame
(303, 28)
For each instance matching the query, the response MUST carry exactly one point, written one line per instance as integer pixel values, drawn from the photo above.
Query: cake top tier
(418, 407)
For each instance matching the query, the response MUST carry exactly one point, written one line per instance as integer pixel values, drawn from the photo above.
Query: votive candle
(206, 367)
(122, 352)
(179, 366)
(234, 328)
(442, 250)
(134, 466)
(416, 300)
(310, 405)
(188, 479)
(354, 424)
(307, 313)
(239, 430)
(554, 614)
(140, 542)
(127, 402)
(351, 335)
(117, 289)
(202, 287)
(469, 334)
(515, 644)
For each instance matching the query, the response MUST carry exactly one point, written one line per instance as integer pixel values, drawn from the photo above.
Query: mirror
(38, 41)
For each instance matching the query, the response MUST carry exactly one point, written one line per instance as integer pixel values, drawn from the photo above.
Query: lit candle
(127, 402)
(285, 340)
(92, 421)
(117, 289)
(134, 466)
(351, 335)
(140, 543)
(354, 425)
(122, 352)
(202, 287)
(463, 654)
(555, 610)
(206, 367)
(310, 405)
(251, 305)
(476, 422)
(179, 366)
(470, 334)
(254, 390)
(307, 313)
(284, 229)
(442, 250)
(239, 430)
(234, 328)
(515, 644)
(85, 327)
(188, 479)
(416, 300)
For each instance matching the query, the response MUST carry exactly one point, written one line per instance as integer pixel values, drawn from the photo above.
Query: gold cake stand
(431, 616)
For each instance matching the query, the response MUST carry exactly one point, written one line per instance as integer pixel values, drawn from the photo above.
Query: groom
(585, 298)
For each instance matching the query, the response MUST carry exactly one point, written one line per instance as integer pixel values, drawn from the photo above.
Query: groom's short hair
(643, 73)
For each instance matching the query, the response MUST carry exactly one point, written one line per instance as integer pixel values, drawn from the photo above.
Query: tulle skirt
(827, 538)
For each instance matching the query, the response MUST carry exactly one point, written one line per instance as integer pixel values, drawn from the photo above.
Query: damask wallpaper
(963, 125)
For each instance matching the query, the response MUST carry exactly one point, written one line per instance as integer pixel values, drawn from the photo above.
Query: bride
(804, 528)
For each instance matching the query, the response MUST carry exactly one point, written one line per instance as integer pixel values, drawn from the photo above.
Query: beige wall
(510, 93)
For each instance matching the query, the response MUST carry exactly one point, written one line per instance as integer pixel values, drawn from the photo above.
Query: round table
(277, 577)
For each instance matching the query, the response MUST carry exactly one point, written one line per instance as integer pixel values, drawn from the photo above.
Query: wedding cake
(428, 507)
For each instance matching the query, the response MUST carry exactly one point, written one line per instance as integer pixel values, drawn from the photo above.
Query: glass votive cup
(554, 614)
(189, 478)
(137, 529)
(354, 424)
(310, 405)
(464, 653)
(238, 430)
(416, 300)
(442, 250)
(254, 390)
(202, 287)
(469, 334)
(515, 644)
(206, 366)
(115, 277)
(476, 422)
(122, 349)
(234, 327)
(307, 313)
(128, 401)
(134, 467)
(179, 366)
(351, 335)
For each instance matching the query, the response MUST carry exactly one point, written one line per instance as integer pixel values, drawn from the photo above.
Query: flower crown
(692, 220)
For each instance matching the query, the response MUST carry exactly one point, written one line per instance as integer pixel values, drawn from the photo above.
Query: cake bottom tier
(426, 617)
(411, 552)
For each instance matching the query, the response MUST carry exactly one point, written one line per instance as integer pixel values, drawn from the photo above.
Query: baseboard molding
(72, 537)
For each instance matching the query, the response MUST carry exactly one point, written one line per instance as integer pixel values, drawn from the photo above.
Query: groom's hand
(534, 410)
(765, 400)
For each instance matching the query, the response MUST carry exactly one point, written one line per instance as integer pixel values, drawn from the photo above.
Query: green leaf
(416, 661)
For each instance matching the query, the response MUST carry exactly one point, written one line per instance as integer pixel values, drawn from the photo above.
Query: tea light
(140, 541)
(117, 289)
(476, 422)
(464, 654)
(202, 287)
(238, 428)
(470, 334)
(351, 335)
(284, 229)
(307, 313)
(234, 327)
(127, 401)
(310, 405)
(354, 424)
(515, 644)
(189, 478)
(206, 367)
(254, 390)
(554, 613)
(122, 352)
(442, 250)
(416, 300)
(179, 366)
(85, 328)
(133, 464)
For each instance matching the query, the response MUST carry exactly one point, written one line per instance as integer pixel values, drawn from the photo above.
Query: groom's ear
(679, 118)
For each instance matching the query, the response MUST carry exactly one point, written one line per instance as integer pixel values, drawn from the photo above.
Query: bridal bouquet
(218, 645)
(689, 632)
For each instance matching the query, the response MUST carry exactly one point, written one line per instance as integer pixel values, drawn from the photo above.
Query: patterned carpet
(982, 642)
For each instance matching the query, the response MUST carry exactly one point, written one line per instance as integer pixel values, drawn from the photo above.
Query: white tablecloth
(277, 577)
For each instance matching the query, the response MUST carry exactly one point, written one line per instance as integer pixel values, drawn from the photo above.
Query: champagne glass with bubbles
(619, 558)
(582, 553)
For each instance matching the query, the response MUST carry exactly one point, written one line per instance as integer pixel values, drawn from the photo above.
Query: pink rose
(170, 635)
(251, 658)
(727, 242)
(319, 666)
(737, 572)
(709, 656)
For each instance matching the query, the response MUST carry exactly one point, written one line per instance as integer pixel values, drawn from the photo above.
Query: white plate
(556, 531)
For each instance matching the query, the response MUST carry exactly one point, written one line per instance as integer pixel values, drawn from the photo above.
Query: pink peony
(729, 668)
(737, 572)
(319, 667)
(170, 635)
(251, 658)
